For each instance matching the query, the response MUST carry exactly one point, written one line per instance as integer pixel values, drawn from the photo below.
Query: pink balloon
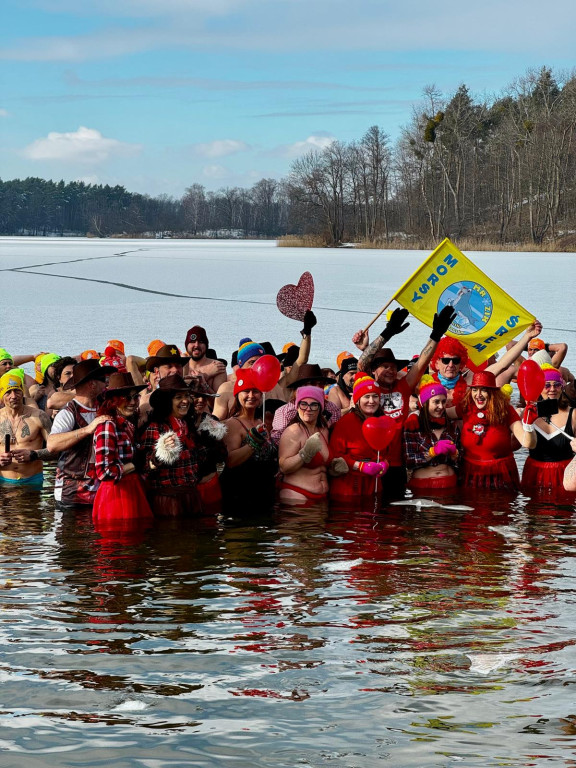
(379, 431)
(530, 380)
(266, 372)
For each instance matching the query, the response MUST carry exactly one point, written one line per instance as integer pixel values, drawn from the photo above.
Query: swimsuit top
(557, 448)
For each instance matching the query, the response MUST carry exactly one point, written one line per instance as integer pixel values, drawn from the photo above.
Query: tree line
(500, 170)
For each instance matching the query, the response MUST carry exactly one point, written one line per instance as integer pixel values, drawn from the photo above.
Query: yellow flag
(487, 319)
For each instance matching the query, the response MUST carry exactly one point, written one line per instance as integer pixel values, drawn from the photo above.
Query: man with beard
(213, 371)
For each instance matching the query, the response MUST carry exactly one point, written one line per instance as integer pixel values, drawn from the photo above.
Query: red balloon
(379, 431)
(530, 380)
(266, 372)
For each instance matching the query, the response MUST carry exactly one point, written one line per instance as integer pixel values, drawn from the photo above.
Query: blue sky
(160, 94)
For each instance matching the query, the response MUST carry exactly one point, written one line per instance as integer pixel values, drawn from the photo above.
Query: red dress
(488, 460)
(347, 441)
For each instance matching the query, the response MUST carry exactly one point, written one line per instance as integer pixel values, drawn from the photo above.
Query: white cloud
(221, 148)
(317, 141)
(86, 145)
(215, 172)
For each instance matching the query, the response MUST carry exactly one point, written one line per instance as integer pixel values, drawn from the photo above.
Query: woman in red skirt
(120, 495)
(544, 468)
(489, 425)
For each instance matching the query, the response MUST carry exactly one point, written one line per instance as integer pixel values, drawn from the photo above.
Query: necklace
(14, 430)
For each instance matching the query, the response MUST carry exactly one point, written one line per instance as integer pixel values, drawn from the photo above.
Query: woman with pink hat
(544, 468)
(304, 454)
(489, 424)
(431, 442)
(347, 442)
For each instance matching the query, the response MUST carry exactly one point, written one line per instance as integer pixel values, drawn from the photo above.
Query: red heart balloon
(530, 380)
(295, 300)
(379, 431)
(266, 371)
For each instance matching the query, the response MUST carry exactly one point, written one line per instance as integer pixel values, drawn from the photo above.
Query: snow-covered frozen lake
(66, 295)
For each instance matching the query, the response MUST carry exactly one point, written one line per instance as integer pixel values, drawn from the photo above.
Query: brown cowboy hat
(167, 387)
(308, 372)
(87, 370)
(198, 386)
(387, 356)
(121, 382)
(169, 353)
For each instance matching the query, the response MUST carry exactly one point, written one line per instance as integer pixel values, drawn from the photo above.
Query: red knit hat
(484, 379)
(364, 384)
(245, 379)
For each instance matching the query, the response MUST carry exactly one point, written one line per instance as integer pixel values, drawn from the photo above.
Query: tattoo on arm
(45, 455)
(45, 421)
(369, 354)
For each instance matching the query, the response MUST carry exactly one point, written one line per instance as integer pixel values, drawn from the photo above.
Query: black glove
(396, 324)
(442, 322)
(309, 323)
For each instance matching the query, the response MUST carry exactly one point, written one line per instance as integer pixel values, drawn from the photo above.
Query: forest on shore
(498, 172)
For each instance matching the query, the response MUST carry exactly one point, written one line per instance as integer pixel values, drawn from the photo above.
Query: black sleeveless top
(557, 448)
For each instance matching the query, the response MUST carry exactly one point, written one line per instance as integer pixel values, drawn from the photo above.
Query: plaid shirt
(286, 413)
(417, 445)
(113, 446)
(184, 472)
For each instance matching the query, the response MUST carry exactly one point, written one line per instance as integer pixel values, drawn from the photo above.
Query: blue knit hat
(248, 349)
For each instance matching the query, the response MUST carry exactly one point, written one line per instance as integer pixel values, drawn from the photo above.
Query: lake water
(421, 637)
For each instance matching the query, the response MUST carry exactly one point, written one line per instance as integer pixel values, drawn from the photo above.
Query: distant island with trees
(497, 173)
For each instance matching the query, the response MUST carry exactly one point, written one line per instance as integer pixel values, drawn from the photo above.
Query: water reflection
(417, 636)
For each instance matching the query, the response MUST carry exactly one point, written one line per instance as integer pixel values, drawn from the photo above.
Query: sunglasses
(309, 406)
(552, 385)
(448, 360)
(133, 398)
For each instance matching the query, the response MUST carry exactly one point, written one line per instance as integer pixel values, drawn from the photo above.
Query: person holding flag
(380, 362)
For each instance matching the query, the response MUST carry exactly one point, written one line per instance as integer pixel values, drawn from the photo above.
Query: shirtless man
(213, 371)
(27, 429)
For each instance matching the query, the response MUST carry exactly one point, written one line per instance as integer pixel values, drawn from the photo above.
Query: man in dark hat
(384, 366)
(199, 364)
(166, 362)
(72, 434)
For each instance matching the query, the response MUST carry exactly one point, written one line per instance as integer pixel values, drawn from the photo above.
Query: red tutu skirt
(210, 492)
(544, 475)
(491, 474)
(124, 500)
(433, 484)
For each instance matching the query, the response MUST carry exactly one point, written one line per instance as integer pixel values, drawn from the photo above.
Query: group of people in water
(176, 434)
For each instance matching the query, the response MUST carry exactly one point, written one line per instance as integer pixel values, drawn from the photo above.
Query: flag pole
(384, 308)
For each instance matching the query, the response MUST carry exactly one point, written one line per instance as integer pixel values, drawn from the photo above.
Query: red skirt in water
(544, 476)
(210, 492)
(494, 473)
(124, 500)
(442, 484)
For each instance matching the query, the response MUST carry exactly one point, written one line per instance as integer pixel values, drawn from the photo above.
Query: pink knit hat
(314, 393)
(430, 390)
(552, 374)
